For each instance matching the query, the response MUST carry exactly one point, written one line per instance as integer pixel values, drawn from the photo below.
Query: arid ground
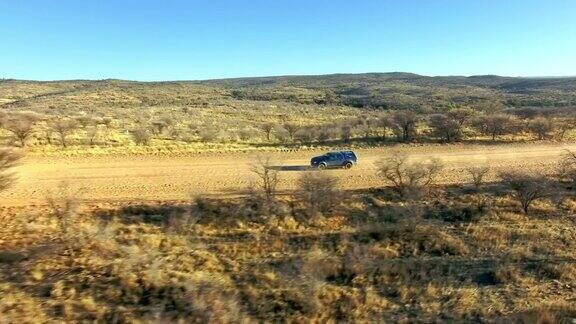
(165, 178)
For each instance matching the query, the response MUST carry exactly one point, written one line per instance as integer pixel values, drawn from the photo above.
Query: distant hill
(381, 90)
(404, 90)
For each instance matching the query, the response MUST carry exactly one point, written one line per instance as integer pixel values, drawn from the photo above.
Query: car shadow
(292, 168)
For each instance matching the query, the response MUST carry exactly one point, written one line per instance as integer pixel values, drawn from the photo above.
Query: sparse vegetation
(409, 179)
(526, 187)
(299, 246)
(143, 263)
(274, 114)
(318, 192)
(478, 173)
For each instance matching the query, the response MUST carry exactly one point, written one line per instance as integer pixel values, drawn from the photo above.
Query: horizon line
(293, 75)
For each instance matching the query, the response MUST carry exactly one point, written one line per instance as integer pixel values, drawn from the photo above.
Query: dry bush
(403, 124)
(318, 191)
(92, 132)
(449, 126)
(208, 134)
(541, 127)
(21, 125)
(345, 133)
(267, 128)
(495, 125)
(281, 133)
(526, 187)
(8, 160)
(563, 127)
(305, 135)
(64, 128)
(141, 136)
(86, 121)
(291, 129)
(267, 182)
(410, 179)
(566, 169)
(477, 173)
(64, 206)
(445, 127)
(384, 121)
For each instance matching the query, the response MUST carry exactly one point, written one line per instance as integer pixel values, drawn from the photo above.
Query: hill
(381, 90)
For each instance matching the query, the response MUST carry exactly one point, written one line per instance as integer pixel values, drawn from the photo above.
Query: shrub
(267, 179)
(566, 169)
(267, 128)
(21, 125)
(444, 127)
(291, 129)
(495, 125)
(541, 127)
(457, 212)
(403, 124)
(8, 159)
(64, 127)
(92, 133)
(527, 188)
(478, 173)
(208, 134)
(408, 179)
(345, 133)
(318, 191)
(141, 136)
(305, 135)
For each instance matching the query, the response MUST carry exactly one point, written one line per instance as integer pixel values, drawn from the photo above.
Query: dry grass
(139, 263)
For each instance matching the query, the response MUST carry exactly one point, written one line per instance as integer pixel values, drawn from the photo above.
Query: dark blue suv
(346, 159)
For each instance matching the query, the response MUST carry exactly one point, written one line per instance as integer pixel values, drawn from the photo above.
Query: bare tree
(478, 173)
(445, 127)
(64, 128)
(318, 192)
(291, 129)
(267, 178)
(21, 124)
(92, 133)
(267, 128)
(324, 134)
(495, 125)
(8, 159)
(385, 123)
(566, 170)
(345, 133)
(526, 187)
(21, 128)
(461, 116)
(541, 127)
(564, 127)
(403, 123)
(410, 179)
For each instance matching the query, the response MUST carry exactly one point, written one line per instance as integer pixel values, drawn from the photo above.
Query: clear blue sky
(201, 39)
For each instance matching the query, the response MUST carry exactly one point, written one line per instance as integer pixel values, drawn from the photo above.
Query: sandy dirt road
(147, 178)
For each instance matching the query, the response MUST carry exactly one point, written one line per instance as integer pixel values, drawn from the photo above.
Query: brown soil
(153, 178)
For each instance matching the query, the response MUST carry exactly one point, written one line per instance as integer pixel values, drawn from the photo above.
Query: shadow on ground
(292, 168)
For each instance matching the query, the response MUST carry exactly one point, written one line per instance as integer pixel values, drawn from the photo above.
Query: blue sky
(202, 39)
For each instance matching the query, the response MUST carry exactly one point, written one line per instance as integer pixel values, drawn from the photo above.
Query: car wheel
(321, 166)
(348, 165)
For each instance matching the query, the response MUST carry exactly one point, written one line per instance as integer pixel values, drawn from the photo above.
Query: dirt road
(141, 178)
